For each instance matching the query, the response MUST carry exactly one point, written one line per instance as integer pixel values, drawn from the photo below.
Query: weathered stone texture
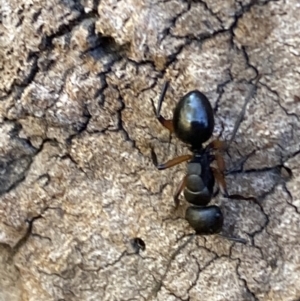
(78, 82)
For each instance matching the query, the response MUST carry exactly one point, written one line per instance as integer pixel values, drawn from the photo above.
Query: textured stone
(78, 84)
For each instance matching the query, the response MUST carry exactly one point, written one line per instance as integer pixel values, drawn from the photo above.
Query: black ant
(193, 123)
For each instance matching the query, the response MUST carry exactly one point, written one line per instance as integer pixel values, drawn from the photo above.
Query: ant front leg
(167, 123)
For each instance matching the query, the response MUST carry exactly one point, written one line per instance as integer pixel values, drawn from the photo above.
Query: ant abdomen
(205, 220)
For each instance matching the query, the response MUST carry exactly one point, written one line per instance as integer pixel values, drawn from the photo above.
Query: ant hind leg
(178, 191)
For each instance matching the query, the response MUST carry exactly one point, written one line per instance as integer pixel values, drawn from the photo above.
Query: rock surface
(76, 125)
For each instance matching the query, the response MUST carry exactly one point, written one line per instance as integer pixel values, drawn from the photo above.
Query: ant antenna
(242, 114)
(161, 98)
(235, 239)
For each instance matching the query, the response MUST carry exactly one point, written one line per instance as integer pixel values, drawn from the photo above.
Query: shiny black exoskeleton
(193, 119)
(193, 123)
(199, 191)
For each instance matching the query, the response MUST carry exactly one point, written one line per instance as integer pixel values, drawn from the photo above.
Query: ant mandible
(193, 123)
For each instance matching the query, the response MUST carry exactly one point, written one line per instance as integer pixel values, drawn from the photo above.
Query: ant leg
(161, 98)
(169, 163)
(219, 176)
(220, 179)
(222, 184)
(216, 192)
(222, 130)
(167, 123)
(219, 171)
(179, 189)
(220, 163)
(217, 145)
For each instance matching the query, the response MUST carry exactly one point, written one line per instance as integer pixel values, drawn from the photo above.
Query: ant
(193, 123)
